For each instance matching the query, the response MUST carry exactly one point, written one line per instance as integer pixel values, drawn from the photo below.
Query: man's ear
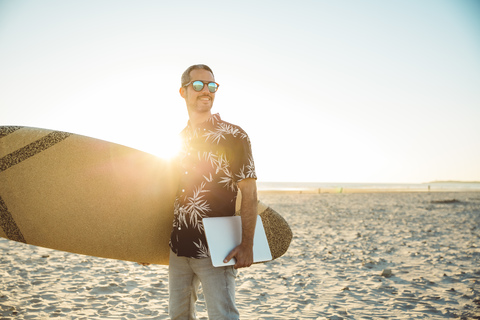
(182, 92)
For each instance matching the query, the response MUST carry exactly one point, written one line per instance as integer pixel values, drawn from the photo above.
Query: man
(215, 162)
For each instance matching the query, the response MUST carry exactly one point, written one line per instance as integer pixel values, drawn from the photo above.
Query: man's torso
(215, 157)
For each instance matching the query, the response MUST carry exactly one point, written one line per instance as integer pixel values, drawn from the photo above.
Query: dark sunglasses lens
(212, 86)
(197, 85)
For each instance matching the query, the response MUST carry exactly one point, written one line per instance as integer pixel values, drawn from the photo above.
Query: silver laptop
(225, 233)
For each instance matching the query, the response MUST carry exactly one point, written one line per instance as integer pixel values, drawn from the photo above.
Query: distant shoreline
(299, 187)
(353, 190)
(453, 181)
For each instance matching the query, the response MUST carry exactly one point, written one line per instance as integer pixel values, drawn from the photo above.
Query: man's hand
(243, 253)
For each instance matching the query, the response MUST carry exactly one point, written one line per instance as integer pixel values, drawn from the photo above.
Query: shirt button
(186, 172)
(183, 190)
(179, 228)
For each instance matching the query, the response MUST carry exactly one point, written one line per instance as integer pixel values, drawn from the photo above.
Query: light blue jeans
(184, 277)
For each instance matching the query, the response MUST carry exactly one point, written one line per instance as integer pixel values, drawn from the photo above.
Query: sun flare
(164, 149)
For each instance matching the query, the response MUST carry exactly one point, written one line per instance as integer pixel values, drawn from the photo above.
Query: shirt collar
(210, 123)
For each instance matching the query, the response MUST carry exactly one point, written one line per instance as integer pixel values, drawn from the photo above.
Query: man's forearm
(248, 211)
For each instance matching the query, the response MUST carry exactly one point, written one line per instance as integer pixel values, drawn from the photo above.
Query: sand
(353, 256)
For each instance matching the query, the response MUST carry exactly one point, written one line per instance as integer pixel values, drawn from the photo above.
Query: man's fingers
(242, 260)
(242, 264)
(230, 256)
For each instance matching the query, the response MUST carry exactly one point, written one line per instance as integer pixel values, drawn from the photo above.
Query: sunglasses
(199, 84)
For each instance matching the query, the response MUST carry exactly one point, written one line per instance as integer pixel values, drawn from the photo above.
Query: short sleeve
(243, 166)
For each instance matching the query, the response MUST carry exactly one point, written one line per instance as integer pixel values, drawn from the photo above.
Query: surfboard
(83, 195)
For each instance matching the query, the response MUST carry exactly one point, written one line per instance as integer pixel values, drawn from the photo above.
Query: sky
(328, 91)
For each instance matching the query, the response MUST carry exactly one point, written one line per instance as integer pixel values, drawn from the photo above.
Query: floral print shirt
(214, 158)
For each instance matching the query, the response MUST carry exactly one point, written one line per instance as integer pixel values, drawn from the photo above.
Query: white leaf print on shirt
(196, 208)
(209, 178)
(221, 130)
(227, 181)
(202, 249)
(247, 171)
(221, 165)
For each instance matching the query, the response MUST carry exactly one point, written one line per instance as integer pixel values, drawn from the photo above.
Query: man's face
(201, 101)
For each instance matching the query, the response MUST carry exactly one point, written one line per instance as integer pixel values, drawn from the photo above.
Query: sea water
(310, 186)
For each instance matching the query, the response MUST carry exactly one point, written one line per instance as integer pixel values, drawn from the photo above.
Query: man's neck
(198, 118)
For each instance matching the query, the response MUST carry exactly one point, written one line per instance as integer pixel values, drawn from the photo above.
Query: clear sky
(329, 91)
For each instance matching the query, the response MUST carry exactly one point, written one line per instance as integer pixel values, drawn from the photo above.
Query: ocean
(320, 187)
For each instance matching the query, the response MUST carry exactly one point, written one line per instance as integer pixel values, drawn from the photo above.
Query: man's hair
(186, 75)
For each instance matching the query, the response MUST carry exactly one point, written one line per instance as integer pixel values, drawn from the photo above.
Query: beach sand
(353, 256)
